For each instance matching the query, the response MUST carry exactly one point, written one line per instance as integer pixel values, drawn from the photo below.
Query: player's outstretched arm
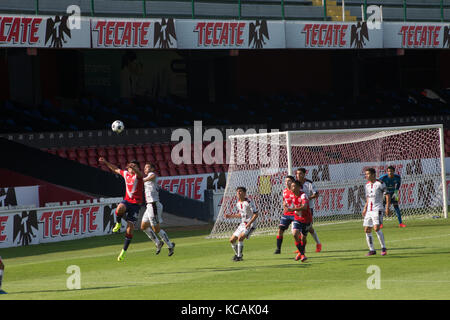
(136, 169)
(111, 167)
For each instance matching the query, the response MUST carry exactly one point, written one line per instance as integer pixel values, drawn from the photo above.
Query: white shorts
(242, 228)
(153, 213)
(373, 218)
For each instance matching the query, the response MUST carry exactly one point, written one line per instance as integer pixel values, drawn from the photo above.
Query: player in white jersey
(153, 213)
(248, 213)
(309, 188)
(376, 191)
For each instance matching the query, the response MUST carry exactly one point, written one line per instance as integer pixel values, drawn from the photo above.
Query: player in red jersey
(299, 205)
(288, 217)
(132, 202)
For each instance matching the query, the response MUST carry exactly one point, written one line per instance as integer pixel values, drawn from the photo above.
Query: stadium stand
(417, 10)
(94, 114)
(158, 154)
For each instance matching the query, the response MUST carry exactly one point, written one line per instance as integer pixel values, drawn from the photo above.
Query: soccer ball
(117, 126)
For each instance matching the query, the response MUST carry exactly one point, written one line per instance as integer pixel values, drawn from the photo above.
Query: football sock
(380, 236)
(315, 237)
(300, 247)
(279, 242)
(118, 218)
(128, 238)
(234, 246)
(165, 238)
(152, 235)
(1, 278)
(240, 248)
(399, 216)
(369, 240)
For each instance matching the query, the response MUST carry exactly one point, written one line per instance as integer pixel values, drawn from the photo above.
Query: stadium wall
(41, 165)
(16, 184)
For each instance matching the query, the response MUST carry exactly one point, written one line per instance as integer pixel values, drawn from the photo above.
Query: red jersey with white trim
(375, 193)
(134, 187)
(286, 199)
(303, 216)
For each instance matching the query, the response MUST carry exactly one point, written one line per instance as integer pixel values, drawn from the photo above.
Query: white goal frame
(288, 146)
(434, 126)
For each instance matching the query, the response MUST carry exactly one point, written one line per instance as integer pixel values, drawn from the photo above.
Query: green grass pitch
(416, 267)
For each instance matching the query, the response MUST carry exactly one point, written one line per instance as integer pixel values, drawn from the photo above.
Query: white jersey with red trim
(375, 193)
(151, 189)
(246, 209)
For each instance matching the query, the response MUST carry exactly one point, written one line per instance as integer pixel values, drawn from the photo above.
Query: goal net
(335, 160)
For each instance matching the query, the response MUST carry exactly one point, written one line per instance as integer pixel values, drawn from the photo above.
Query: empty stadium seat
(120, 151)
(110, 151)
(191, 171)
(62, 153)
(148, 149)
(92, 161)
(72, 154)
(101, 152)
(162, 165)
(157, 148)
(140, 157)
(92, 152)
(166, 148)
(138, 150)
(150, 158)
(164, 173)
(129, 151)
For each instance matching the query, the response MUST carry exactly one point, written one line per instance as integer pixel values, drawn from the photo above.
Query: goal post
(335, 160)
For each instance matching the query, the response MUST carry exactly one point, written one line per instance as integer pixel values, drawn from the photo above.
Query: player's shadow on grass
(91, 242)
(67, 290)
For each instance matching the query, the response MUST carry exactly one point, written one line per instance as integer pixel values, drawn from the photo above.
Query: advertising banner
(332, 35)
(230, 34)
(122, 33)
(53, 224)
(193, 186)
(45, 31)
(19, 196)
(416, 35)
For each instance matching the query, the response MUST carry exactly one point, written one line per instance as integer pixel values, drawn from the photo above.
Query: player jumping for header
(248, 214)
(131, 204)
(153, 214)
